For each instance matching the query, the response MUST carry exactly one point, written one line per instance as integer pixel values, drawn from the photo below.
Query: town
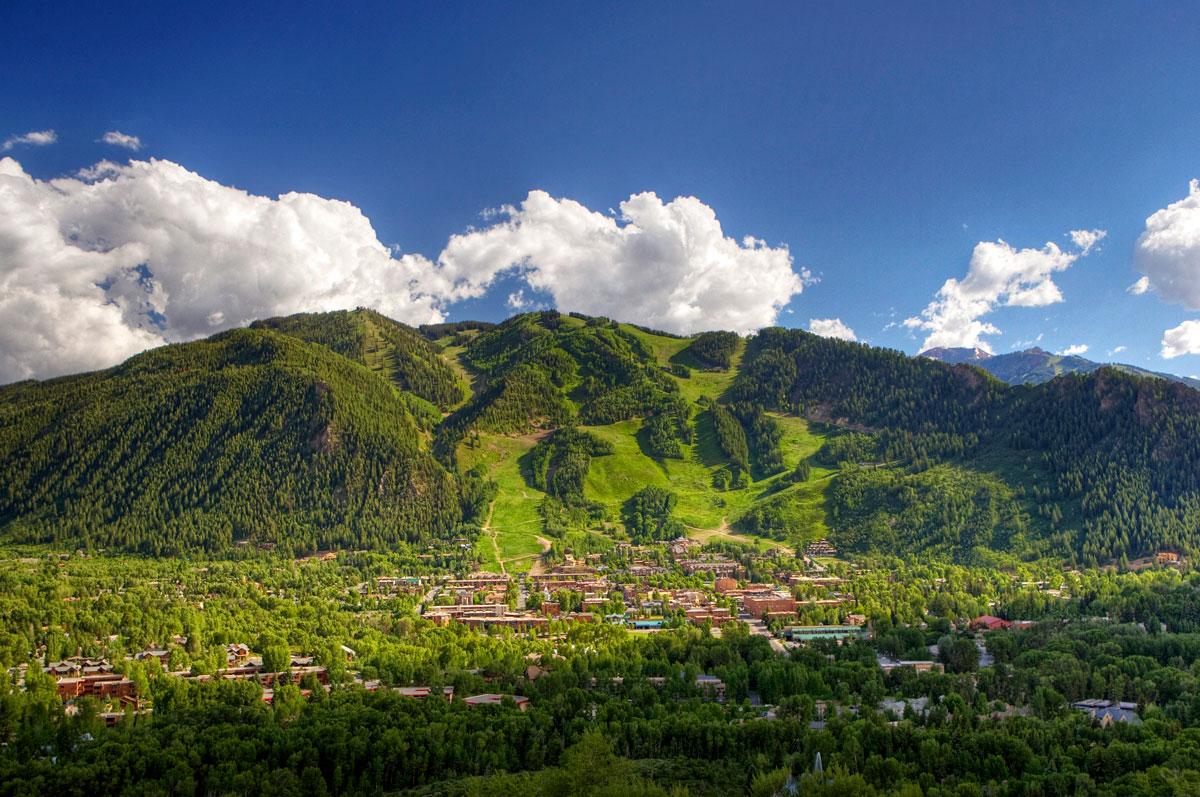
(792, 603)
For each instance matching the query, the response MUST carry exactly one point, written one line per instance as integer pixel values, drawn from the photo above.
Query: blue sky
(880, 143)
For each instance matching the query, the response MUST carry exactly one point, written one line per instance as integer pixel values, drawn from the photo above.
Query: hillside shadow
(643, 441)
(706, 450)
(685, 358)
(525, 468)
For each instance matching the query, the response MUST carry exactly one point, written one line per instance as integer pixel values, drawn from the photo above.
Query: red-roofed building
(987, 622)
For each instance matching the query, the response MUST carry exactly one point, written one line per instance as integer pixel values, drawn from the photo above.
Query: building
(519, 622)
(236, 652)
(711, 686)
(1108, 712)
(776, 603)
(468, 609)
(680, 546)
(919, 666)
(163, 656)
(718, 567)
(103, 686)
(496, 700)
(479, 582)
(394, 584)
(987, 622)
(421, 692)
(838, 633)
(820, 548)
(716, 615)
(918, 705)
(725, 584)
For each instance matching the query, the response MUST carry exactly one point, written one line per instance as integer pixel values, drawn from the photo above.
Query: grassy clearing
(515, 523)
(513, 536)
(453, 356)
(701, 383)
(663, 346)
(615, 477)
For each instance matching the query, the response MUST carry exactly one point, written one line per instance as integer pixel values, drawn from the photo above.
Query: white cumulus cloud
(97, 268)
(1086, 240)
(831, 328)
(1180, 340)
(119, 139)
(665, 264)
(1139, 287)
(34, 138)
(1116, 350)
(122, 257)
(999, 275)
(1075, 350)
(1168, 251)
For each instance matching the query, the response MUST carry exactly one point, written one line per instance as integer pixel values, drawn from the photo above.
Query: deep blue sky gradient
(880, 141)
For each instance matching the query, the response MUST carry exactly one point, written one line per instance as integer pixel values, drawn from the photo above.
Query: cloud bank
(667, 264)
(831, 328)
(95, 269)
(119, 258)
(999, 275)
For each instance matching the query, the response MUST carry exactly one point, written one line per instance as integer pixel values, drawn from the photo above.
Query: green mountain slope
(389, 348)
(545, 370)
(1105, 464)
(248, 435)
(321, 430)
(517, 524)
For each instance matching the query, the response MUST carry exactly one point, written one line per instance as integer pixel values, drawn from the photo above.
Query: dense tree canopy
(249, 435)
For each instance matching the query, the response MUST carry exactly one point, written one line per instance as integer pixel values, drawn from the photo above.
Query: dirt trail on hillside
(491, 535)
(726, 532)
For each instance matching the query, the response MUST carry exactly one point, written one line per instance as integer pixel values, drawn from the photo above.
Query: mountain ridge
(1036, 365)
(306, 431)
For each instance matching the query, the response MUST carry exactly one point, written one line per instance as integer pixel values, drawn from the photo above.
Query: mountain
(389, 348)
(957, 356)
(349, 429)
(541, 371)
(1105, 464)
(1034, 366)
(251, 434)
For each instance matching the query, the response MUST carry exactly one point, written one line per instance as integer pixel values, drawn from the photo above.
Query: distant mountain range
(1035, 366)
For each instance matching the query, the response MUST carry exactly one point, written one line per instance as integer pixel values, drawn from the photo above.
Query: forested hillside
(248, 435)
(387, 347)
(350, 429)
(1108, 463)
(545, 370)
